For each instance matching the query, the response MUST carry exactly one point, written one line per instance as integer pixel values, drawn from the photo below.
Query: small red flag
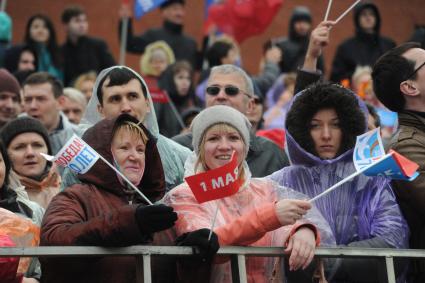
(407, 166)
(217, 183)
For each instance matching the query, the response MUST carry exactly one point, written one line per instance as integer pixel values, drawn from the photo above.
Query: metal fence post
(238, 269)
(389, 262)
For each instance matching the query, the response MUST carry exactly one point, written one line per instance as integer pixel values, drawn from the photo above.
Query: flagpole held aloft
(213, 223)
(349, 178)
(328, 10)
(123, 45)
(347, 11)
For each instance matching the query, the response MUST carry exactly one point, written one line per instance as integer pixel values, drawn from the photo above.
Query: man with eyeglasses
(399, 83)
(230, 85)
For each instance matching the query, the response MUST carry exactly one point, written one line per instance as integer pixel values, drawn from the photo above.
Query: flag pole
(213, 223)
(328, 10)
(349, 178)
(123, 45)
(346, 11)
(125, 179)
(175, 112)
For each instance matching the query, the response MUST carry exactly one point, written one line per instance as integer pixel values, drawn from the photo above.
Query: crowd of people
(188, 111)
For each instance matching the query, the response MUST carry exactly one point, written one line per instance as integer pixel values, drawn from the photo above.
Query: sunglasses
(228, 90)
(415, 71)
(258, 100)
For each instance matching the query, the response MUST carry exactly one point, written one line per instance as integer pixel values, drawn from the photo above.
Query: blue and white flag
(76, 154)
(141, 7)
(369, 148)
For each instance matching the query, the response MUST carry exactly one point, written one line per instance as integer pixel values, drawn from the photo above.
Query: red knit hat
(8, 82)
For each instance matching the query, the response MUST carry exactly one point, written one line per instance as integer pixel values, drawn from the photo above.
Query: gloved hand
(199, 238)
(154, 218)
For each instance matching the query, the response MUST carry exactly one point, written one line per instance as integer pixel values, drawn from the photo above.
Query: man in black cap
(173, 12)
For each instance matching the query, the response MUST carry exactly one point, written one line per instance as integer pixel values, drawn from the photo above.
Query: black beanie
(24, 125)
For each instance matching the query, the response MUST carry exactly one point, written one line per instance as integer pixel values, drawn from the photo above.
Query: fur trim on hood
(352, 114)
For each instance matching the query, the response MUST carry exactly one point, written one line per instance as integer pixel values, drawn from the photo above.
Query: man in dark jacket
(399, 83)
(365, 47)
(294, 46)
(230, 85)
(183, 46)
(82, 53)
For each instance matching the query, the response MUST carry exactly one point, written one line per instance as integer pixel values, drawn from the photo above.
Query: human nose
(125, 106)
(33, 104)
(222, 94)
(29, 151)
(224, 144)
(326, 132)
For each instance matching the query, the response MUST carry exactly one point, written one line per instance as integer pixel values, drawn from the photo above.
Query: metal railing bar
(242, 269)
(147, 269)
(74, 251)
(389, 262)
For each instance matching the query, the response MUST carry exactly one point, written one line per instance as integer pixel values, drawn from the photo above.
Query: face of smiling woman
(128, 149)
(218, 144)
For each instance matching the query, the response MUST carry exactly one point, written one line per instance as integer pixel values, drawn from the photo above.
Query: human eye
(133, 96)
(19, 146)
(37, 145)
(234, 137)
(114, 98)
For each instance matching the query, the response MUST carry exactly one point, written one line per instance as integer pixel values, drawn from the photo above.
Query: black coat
(88, 54)
(183, 46)
(363, 49)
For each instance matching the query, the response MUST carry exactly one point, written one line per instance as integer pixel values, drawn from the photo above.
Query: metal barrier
(238, 254)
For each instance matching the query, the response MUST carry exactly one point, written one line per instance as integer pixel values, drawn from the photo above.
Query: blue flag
(370, 150)
(141, 7)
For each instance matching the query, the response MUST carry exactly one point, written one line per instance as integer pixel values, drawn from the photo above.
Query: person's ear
(409, 88)
(250, 106)
(61, 100)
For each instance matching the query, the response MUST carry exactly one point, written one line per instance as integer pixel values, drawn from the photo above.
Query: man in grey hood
(119, 90)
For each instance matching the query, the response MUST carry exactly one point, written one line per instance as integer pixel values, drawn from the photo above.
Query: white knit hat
(216, 115)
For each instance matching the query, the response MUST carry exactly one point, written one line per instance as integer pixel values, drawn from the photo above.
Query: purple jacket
(362, 212)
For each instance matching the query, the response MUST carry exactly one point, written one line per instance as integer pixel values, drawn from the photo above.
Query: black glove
(199, 238)
(154, 218)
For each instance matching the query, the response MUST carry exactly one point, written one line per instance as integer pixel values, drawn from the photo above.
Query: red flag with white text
(217, 183)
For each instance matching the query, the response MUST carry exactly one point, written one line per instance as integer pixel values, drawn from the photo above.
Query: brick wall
(398, 19)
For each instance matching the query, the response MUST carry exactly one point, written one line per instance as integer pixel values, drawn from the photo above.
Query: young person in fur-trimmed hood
(321, 129)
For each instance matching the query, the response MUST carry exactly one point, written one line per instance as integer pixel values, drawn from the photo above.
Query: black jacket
(264, 157)
(183, 46)
(363, 49)
(88, 54)
(294, 47)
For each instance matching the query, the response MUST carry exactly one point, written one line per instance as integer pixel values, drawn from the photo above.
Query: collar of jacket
(172, 27)
(412, 119)
(52, 179)
(254, 145)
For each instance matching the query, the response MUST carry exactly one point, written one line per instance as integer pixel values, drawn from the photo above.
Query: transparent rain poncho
(172, 154)
(362, 212)
(253, 194)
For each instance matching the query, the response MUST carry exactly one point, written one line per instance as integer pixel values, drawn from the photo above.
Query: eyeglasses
(229, 90)
(415, 71)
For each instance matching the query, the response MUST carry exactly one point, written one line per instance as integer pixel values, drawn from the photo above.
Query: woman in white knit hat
(260, 214)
